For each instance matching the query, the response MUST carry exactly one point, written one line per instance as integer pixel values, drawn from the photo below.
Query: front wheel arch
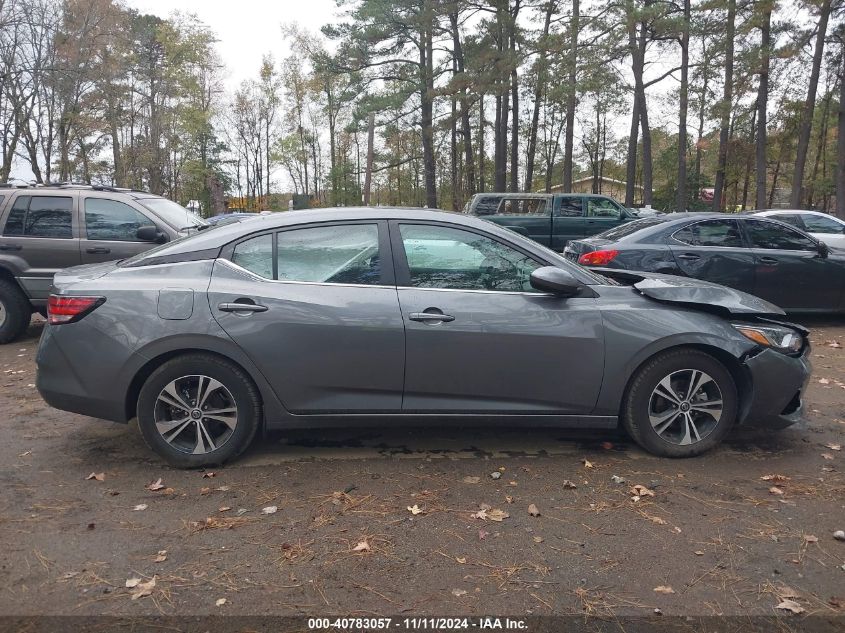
(739, 373)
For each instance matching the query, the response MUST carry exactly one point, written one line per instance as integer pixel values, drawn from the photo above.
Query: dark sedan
(761, 256)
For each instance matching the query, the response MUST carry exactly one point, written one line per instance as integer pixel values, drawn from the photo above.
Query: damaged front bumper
(777, 386)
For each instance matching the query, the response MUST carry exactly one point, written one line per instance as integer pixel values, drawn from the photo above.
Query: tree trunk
(820, 148)
(762, 102)
(538, 93)
(466, 127)
(807, 112)
(648, 165)
(368, 176)
(725, 108)
(427, 117)
(840, 146)
(571, 97)
(481, 124)
(682, 200)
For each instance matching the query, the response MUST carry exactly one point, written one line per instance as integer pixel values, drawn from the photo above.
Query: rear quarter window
(629, 228)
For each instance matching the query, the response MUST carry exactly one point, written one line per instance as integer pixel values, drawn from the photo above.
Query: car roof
(219, 236)
(135, 194)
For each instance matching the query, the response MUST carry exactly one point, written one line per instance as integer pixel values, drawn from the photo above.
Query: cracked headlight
(782, 339)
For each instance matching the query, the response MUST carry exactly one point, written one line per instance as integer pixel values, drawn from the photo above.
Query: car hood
(691, 292)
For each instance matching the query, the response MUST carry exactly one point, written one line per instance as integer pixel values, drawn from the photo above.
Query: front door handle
(98, 250)
(10, 247)
(689, 256)
(241, 307)
(431, 317)
(769, 261)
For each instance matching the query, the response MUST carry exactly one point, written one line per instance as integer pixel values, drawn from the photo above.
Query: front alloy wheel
(680, 403)
(685, 406)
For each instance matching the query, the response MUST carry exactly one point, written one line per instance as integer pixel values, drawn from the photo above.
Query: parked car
(762, 256)
(344, 316)
(46, 228)
(551, 219)
(822, 226)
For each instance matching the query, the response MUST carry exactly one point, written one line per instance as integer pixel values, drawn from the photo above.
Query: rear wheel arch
(146, 370)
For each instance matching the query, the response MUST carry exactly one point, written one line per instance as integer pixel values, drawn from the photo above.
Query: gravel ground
(386, 522)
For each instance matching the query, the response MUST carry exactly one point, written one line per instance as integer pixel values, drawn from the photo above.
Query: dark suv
(46, 228)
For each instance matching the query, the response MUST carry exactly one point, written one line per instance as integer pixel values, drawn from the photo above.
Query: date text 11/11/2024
(417, 624)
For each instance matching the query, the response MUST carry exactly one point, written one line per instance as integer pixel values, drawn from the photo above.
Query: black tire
(16, 312)
(238, 385)
(638, 401)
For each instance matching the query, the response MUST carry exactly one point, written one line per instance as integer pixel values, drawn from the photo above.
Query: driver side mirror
(556, 281)
(150, 234)
(823, 249)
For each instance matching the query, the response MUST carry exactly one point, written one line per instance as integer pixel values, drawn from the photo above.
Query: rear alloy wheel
(15, 312)
(198, 410)
(681, 403)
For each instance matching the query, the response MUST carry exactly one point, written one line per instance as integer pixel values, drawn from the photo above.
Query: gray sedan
(358, 316)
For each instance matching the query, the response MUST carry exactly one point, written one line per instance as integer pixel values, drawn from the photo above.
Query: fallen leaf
(775, 478)
(97, 476)
(155, 485)
(827, 456)
(459, 592)
(208, 475)
(508, 499)
(461, 559)
(533, 511)
(481, 514)
(497, 515)
(414, 509)
(824, 381)
(220, 602)
(205, 491)
(132, 582)
(775, 490)
(363, 546)
(699, 553)
(161, 556)
(809, 538)
(569, 485)
(784, 593)
(482, 534)
(587, 464)
(495, 474)
(224, 509)
(222, 488)
(834, 344)
(834, 447)
(269, 510)
(791, 606)
(641, 491)
(144, 588)
(140, 506)
(664, 589)
(471, 480)
(538, 539)
(657, 520)
(617, 479)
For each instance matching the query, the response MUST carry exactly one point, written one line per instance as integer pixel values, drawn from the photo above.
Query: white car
(823, 226)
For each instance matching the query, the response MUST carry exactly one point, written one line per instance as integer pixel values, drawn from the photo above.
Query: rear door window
(41, 216)
(718, 233)
(570, 207)
(524, 206)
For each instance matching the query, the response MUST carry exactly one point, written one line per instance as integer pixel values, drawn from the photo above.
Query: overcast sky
(247, 29)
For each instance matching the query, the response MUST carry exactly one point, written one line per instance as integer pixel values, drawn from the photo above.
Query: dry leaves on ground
(362, 546)
(141, 589)
(161, 556)
(778, 479)
(155, 485)
(834, 447)
(220, 602)
(791, 606)
(533, 510)
(139, 507)
(96, 476)
(415, 509)
(664, 589)
(270, 510)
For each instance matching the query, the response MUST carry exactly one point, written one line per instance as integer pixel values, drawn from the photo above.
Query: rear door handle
(689, 256)
(98, 250)
(10, 247)
(769, 261)
(431, 317)
(241, 307)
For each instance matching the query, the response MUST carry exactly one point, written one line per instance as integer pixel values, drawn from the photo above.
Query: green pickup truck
(551, 219)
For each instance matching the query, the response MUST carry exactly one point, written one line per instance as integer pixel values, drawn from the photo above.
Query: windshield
(624, 230)
(174, 214)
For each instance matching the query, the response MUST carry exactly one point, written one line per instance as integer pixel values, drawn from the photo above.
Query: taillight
(597, 258)
(61, 309)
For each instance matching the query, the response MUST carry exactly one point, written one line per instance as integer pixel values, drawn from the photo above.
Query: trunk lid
(87, 272)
